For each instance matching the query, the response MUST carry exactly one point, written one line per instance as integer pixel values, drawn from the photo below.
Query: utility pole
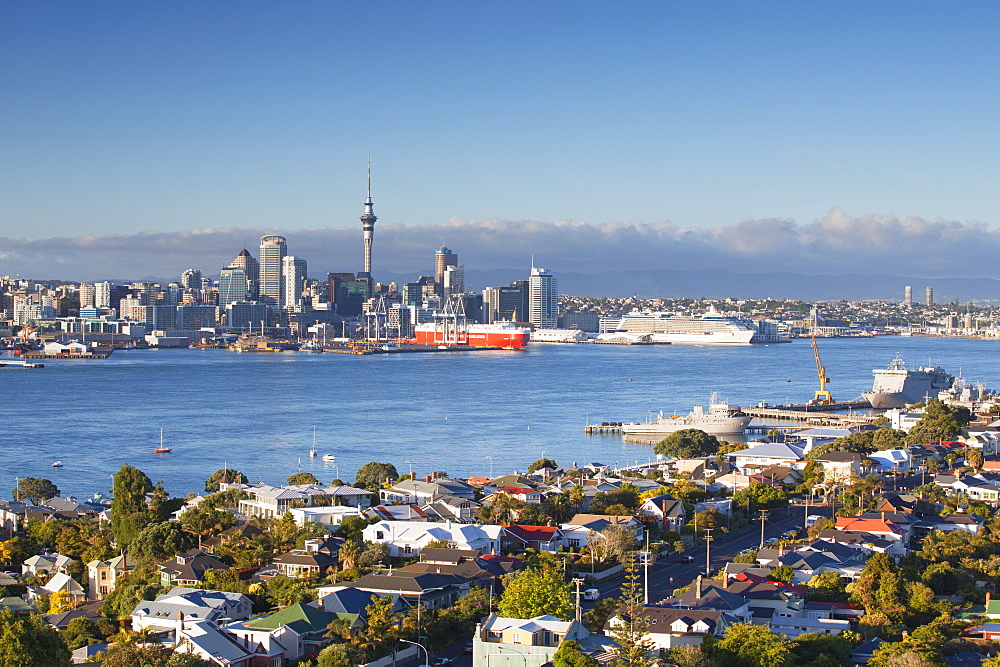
(579, 613)
(763, 518)
(645, 582)
(708, 552)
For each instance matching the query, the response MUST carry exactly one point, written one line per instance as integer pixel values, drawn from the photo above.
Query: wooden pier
(816, 415)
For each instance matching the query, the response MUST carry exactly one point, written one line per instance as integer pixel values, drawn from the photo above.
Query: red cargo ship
(501, 334)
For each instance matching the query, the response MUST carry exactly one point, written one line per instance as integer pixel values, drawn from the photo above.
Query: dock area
(13, 363)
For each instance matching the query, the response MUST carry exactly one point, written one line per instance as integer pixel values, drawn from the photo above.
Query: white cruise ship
(711, 328)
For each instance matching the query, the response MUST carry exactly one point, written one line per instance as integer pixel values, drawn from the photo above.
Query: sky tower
(368, 221)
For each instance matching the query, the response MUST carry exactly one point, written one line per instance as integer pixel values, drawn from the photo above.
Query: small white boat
(57, 464)
(329, 458)
(313, 452)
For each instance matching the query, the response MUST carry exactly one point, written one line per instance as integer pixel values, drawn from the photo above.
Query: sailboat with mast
(161, 449)
(313, 452)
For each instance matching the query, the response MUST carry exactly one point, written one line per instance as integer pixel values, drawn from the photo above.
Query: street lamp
(427, 657)
(491, 465)
(411, 469)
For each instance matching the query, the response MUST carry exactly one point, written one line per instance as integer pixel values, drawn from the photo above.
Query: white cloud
(836, 243)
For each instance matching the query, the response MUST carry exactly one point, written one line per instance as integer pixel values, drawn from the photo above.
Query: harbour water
(461, 413)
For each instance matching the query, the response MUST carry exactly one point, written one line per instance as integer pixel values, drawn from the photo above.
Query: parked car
(687, 559)
(468, 648)
(591, 594)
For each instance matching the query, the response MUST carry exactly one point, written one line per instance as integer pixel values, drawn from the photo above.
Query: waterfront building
(272, 252)
(293, 273)
(368, 223)
(929, 296)
(503, 303)
(543, 302)
(584, 321)
(164, 316)
(908, 296)
(192, 316)
(347, 292)
(247, 315)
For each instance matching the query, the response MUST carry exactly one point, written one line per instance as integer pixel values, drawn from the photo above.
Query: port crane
(823, 396)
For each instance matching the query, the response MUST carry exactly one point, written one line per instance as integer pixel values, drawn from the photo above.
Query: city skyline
(590, 117)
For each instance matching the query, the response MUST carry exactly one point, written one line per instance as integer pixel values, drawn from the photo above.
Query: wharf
(817, 415)
(406, 348)
(42, 355)
(12, 363)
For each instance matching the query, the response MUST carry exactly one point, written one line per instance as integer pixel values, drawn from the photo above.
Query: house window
(379, 535)
(407, 549)
(515, 638)
(573, 542)
(104, 575)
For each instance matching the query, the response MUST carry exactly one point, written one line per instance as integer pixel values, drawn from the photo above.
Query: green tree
(83, 632)
(35, 490)
(302, 478)
(828, 582)
(26, 641)
(339, 655)
(782, 573)
(810, 648)
(760, 496)
(687, 655)
(162, 505)
(859, 443)
(531, 593)
(373, 474)
(745, 644)
(542, 463)
(159, 541)
(205, 522)
(224, 475)
(129, 513)
(888, 438)
(150, 655)
(569, 654)
(630, 624)
(688, 443)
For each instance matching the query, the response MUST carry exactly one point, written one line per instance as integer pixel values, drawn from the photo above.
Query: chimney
(697, 588)
(428, 479)
(988, 598)
(883, 516)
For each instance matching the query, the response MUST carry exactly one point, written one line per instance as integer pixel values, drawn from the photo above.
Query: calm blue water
(437, 411)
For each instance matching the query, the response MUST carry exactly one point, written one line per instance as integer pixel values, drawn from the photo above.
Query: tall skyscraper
(929, 295)
(233, 286)
(87, 295)
(272, 252)
(191, 279)
(443, 258)
(543, 301)
(293, 275)
(251, 267)
(368, 222)
(908, 296)
(102, 295)
(454, 281)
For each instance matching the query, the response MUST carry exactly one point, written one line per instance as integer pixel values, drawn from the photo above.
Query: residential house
(181, 604)
(451, 508)
(103, 575)
(756, 458)
(670, 627)
(348, 603)
(542, 538)
(510, 642)
(406, 539)
(330, 516)
(209, 642)
(289, 634)
(188, 569)
(892, 460)
(48, 563)
(781, 475)
(61, 621)
(266, 501)
(578, 530)
(301, 563)
(415, 491)
(61, 581)
(477, 570)
(428, 590)
(665, 512)
(896, 532)
(397, 513)
(525, 494)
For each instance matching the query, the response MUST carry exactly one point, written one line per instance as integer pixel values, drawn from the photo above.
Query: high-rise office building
(908, 296)
(252, 269)
(443, 258)
(233, 286)
(102, 295)
(293, 275)
(929, 295)
(454, 281)
(543, 301)
(368, 223)
(191, 279)
(272, 252)
(87, 295)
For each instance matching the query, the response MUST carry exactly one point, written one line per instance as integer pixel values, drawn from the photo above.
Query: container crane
(823, 396)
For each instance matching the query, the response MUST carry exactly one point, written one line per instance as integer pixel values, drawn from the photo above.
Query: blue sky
(121, 118)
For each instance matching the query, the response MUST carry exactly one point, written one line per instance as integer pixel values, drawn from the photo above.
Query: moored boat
(897, 386)
(719, 419)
